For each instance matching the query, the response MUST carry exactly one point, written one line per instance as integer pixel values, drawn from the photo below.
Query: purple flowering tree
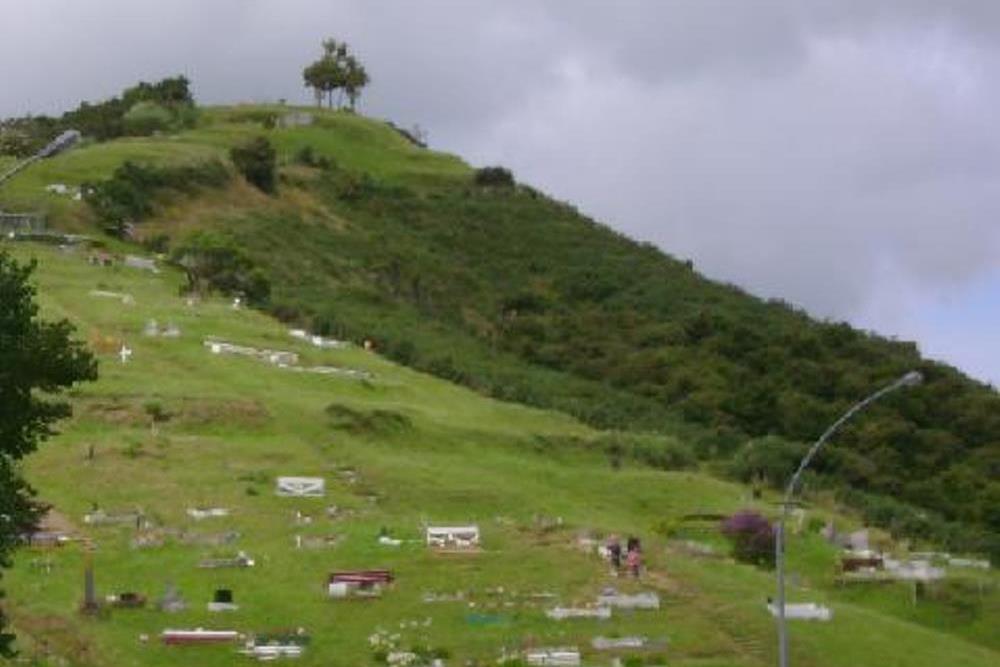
(752, 536)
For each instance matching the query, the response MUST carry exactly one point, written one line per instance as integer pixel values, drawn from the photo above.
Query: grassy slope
(238, 423)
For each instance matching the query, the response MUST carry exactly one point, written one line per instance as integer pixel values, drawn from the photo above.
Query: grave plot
(153, 329)
(196, 636)
(101, 259)
(317, 542)
(318, 341)
(353, 373)
(222, 600)
(240, 560)
(618, 643)
(171, 602)
(566, 613)
(558, 656)
(100, 517)
(143, 263)
(358, 583)
(199, 513)
(126, 299)
(209, 539)
(268, 646)
(453, 539)
(276, 357)
(149, 540)
(44, 539)
(808, 611)
(126, 600)
(974, 563)
(300, 487)
(609, 597)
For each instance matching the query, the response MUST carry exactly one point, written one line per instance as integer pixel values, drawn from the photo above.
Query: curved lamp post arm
(62, 143)
(908, 380)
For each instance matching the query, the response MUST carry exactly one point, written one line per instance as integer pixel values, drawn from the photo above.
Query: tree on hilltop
(336, 70)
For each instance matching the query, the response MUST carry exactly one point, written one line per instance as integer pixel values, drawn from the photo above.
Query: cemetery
(243, 524)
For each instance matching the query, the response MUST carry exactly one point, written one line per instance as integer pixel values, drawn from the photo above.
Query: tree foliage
(753, 538)
(257, 161)
(165, 105)
(129, 195)
(38, 360)
(337, 70)
(214, 262)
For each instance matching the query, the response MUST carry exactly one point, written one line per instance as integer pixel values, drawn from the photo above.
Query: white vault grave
(453, 537)
(301, 487)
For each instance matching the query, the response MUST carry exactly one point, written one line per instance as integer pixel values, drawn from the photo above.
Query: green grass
(237, 423)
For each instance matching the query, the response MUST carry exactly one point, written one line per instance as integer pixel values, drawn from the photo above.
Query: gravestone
(172, 602)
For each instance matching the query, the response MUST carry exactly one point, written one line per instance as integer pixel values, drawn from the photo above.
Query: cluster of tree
(214, 262)
(129, 195)
(38, 360)
(140, 110)
(523, 298)
(336, 71)
(257, 161)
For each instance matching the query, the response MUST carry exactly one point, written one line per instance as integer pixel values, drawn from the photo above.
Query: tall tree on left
(38, 360)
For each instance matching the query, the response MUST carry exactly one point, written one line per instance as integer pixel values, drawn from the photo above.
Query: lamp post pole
(910, 379)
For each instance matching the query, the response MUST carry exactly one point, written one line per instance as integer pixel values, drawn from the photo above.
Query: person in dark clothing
(615, 553)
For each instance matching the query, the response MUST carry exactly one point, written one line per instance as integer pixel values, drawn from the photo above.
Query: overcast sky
(842, 155)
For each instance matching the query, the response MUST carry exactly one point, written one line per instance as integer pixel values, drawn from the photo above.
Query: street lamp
(60, 144)
(910, 379)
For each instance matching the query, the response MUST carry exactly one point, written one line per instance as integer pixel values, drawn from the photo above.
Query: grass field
(435, 453)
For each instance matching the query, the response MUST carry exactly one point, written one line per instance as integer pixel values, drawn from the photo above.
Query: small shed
(358, 583)
(301, 487)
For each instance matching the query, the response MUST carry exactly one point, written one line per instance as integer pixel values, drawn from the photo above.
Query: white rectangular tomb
(563, 613)
(301, 487)
(647, 600)
(563, 657)
(453, 537)
(809, 611)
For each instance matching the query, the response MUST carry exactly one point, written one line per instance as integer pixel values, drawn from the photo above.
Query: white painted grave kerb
(808, 611)
(301, 487)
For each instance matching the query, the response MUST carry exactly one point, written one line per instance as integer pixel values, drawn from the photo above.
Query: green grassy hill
(530, 365)
(520, 297)
(399, 449)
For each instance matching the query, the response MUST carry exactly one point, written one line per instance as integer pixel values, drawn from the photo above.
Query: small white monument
(301, 487)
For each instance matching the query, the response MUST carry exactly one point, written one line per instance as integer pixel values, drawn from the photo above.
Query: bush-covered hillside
(492, 284)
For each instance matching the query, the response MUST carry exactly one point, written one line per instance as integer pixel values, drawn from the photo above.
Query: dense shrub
(752, 536)
(656, 450)
(772, 458)
(129, 194)
(145, 118)
(495, 177)
(214, 262)
(307, 157)
(256, 160)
